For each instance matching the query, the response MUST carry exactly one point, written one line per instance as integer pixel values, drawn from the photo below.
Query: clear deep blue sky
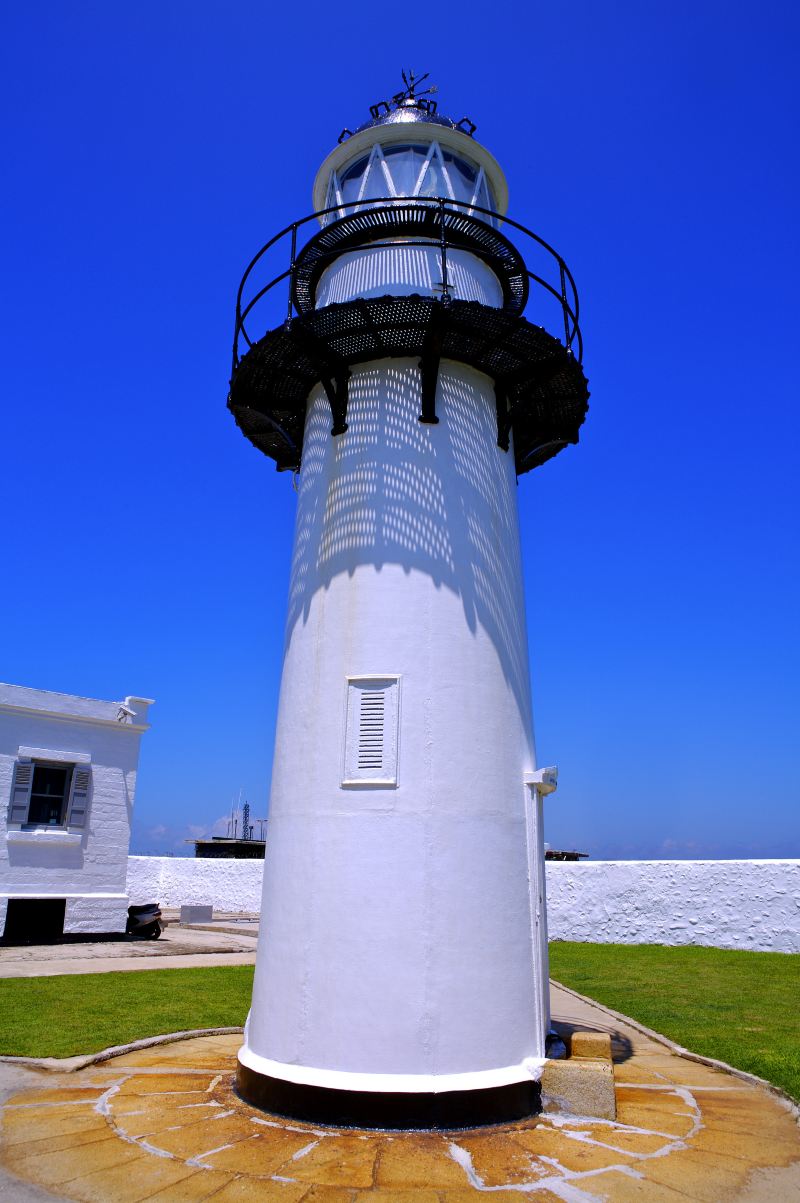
(150, 149)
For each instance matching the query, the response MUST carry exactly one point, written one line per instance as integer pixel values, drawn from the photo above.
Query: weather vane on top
(411, 94)
(412, 82)
(413, 98)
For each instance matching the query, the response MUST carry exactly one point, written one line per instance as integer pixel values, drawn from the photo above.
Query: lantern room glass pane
(462, 175)
(415, 169)
(351, 179)
(331, 198)
(405, 163)
(434, 181)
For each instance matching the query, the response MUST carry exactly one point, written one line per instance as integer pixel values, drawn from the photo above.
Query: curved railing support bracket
(429, 362)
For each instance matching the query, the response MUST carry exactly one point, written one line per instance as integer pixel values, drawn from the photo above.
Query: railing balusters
(565, 307)
(568, 290)
(443, 237)
(291, 273)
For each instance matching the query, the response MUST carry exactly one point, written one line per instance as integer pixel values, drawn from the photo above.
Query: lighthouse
(407, 352)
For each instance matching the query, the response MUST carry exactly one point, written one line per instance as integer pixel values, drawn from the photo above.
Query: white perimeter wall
(227, 885)
(751, 904)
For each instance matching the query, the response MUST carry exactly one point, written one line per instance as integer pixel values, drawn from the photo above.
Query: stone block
(580, 1086)
(196, 914)
(591, 1044)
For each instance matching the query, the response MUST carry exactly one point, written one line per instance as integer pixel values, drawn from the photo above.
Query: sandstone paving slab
(256, 1156)
(500, 1161)
(705, 1176)
(417, 1159)
(137, 1116)
(421, 1195)
(50, 1144)
(673, 1071)
(212, 1052)
(45, 1124)
(161, 1084)
(619, 1141)
(331, 1194)
(130, 1183)
(65, 1092)
(203, 1184)
(344, 1161)
(197, 1140)
(617, 1187)
(254, 1190)
(753, 1147)
(542, 1195)
(744, 1112)
(165, 1123)
(557, 1150)
(50, 1169)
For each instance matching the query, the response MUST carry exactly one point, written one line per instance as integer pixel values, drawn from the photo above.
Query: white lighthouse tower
(401, 975)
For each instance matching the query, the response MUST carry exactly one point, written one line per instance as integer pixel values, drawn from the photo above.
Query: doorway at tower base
(389, 1109)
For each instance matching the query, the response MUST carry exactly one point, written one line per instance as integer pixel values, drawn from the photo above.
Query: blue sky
(151, 149)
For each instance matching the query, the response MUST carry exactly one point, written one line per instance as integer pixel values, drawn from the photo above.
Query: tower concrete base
(388, 1109)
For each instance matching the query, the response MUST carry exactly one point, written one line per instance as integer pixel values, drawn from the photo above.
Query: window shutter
(370, 753)
(21, 792)
(79, 796)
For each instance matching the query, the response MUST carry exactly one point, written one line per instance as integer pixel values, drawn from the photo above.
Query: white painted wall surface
(399, 943)
(175, 881)
(87, 866)
(752, 904)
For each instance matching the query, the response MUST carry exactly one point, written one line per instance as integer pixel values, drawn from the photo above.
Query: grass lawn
(741, 1007)
(83, 1013)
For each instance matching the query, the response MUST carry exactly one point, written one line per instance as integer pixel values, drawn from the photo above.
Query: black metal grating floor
(418, 221)
(546, 390)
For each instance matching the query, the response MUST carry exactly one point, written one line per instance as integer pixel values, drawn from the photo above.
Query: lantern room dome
(463, 169)
(412, 112)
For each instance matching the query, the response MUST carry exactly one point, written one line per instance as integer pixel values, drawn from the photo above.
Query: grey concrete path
(178, 948)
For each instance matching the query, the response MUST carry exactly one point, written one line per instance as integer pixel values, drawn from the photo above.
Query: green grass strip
(84, 1013)
(740, 1007)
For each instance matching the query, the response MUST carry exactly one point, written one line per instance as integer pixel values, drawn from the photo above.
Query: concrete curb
(70, 1064)
(781, 1095)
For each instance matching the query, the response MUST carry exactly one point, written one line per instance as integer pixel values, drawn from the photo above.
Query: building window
(49, 794)
(371, 731)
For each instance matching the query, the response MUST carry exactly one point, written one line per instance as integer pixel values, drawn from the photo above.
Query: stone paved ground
(163, 1124)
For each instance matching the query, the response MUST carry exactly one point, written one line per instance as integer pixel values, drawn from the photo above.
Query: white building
(67, 783)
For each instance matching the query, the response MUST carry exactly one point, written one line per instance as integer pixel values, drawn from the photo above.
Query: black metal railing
(561, 287)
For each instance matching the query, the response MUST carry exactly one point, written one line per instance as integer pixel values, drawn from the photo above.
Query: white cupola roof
(409, 149)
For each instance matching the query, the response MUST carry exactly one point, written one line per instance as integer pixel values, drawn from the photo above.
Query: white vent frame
(371, 753)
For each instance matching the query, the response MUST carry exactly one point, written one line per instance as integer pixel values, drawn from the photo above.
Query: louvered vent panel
(370, 752)
(370, 729)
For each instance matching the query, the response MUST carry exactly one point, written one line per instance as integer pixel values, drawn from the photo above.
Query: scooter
(144, 921)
